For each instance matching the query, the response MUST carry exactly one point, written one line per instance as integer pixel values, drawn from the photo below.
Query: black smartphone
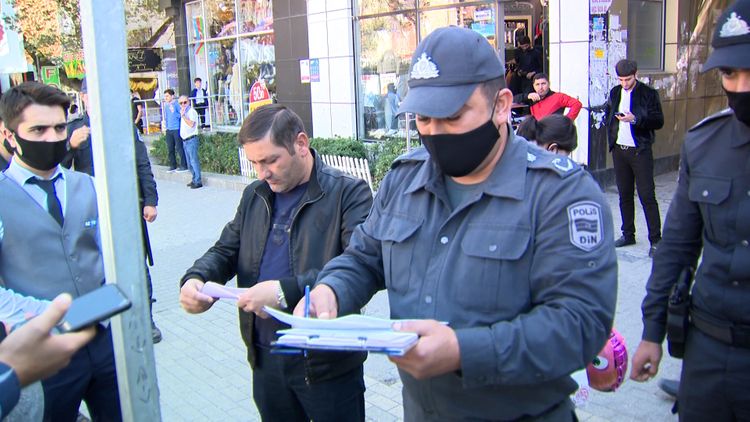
(94, 307)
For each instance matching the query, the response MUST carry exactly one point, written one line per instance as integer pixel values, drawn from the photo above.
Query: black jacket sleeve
(146, 182)
(653, 118)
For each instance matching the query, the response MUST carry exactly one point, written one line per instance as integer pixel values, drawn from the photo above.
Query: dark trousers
(202, 114)
(715, 383)
(282, 394)
(174, 142)
(637, 169)
(90, 377)
(414, 412)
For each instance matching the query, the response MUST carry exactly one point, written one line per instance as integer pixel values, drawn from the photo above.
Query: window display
(230, 59)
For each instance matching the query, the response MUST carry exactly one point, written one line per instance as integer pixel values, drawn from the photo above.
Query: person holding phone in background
(51, 236)
(633, 113)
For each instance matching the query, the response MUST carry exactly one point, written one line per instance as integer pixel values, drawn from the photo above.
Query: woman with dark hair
(555, 133)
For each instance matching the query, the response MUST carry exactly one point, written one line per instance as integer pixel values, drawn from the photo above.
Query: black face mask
(739, 102)
(459, 154)
(42, 156)
(7, 146)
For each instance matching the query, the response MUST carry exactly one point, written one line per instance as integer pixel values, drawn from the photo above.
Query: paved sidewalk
(202, 372)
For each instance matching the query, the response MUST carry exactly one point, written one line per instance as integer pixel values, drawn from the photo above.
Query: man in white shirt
(189, 135)
(633, 114)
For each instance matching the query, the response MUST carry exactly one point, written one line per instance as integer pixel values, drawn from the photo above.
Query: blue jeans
(193, 163)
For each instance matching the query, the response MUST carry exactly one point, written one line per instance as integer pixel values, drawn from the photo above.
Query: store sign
(259, 96)
(144, 60)
(51, 75)
(73, 65)
(483, 15)
(599, 7)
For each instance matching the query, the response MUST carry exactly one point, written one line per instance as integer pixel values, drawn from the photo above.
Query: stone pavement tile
(381, 401)
(386, 391)
(375, 414)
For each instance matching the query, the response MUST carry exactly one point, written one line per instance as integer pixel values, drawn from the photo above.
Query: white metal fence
(357, 167)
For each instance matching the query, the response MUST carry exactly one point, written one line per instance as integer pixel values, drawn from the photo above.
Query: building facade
(343, 64)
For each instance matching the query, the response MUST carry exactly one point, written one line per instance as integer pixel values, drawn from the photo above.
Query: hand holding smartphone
(94, 307)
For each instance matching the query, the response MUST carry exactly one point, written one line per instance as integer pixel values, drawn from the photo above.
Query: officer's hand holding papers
(435, 349)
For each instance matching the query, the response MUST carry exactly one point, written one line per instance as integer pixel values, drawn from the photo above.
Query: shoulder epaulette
(727, 112)
(559, 164)
(415, 155)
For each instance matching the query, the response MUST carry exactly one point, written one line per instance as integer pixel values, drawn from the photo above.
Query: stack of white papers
(352, 332)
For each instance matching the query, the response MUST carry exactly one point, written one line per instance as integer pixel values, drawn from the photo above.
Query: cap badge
(734, 27)
(424, 68)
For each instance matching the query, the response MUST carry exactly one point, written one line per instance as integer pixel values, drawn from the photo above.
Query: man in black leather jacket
(299, 215)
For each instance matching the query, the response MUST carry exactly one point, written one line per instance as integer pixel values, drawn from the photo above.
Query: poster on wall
(74, 65)
(169, 63)
(51, 75)
(259, 96)
(314, 70)
(597, 7)
(304, 71)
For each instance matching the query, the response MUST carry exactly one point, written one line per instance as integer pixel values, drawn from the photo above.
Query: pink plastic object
(607, 371)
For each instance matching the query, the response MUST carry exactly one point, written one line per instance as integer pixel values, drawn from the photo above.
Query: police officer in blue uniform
(710, 214)
(509, 244)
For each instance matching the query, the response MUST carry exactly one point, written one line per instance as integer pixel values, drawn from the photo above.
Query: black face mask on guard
(739, 102)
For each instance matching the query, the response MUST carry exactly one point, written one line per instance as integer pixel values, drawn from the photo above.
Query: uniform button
(704, 193)
(444, 240)
(744, 243)
(428, 299)
(72, 257)
(78, 279)
(735, 283)
(493, 248)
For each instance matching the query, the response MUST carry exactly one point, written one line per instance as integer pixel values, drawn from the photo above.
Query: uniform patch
(585, 225)
(562, 164)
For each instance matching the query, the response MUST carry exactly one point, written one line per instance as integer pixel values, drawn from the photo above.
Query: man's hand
(191, 298)
(34, 353)
(323, 303)
(79, 136)
(258, 296)
(534, 97)
(435, 353)
(646, 361)
(627, 118)
(149, 213)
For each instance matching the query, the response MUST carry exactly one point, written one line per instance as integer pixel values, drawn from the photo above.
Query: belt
(625, 147)
(726, 332)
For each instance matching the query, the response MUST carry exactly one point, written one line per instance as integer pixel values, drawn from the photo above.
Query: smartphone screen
(94, 307)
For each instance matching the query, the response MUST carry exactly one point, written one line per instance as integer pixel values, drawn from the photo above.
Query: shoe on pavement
(190, 185)
(182, 170)
(155, 333)
(670, 387)
(171, 170)
(196, 185)
(624, 241)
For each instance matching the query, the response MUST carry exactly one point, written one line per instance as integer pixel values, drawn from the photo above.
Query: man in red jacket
(544, 101)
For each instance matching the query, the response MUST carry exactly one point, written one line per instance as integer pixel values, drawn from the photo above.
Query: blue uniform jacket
(525, 273)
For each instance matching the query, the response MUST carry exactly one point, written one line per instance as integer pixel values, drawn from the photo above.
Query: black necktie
(53, 204)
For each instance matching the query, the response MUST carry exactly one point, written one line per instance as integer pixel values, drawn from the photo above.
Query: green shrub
(384, 154)
(217, 152)
(348, 147)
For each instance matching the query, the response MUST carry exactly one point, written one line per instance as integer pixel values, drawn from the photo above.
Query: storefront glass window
(479, 18)
(371, 7)
(386, 47)
(645, 33)
(257, 65)
(255, 15)
(224, 81)
(230, 59)
(220, 18)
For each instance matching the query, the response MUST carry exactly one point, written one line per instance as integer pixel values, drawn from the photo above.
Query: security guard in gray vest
(710, 213)
(509, 244)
